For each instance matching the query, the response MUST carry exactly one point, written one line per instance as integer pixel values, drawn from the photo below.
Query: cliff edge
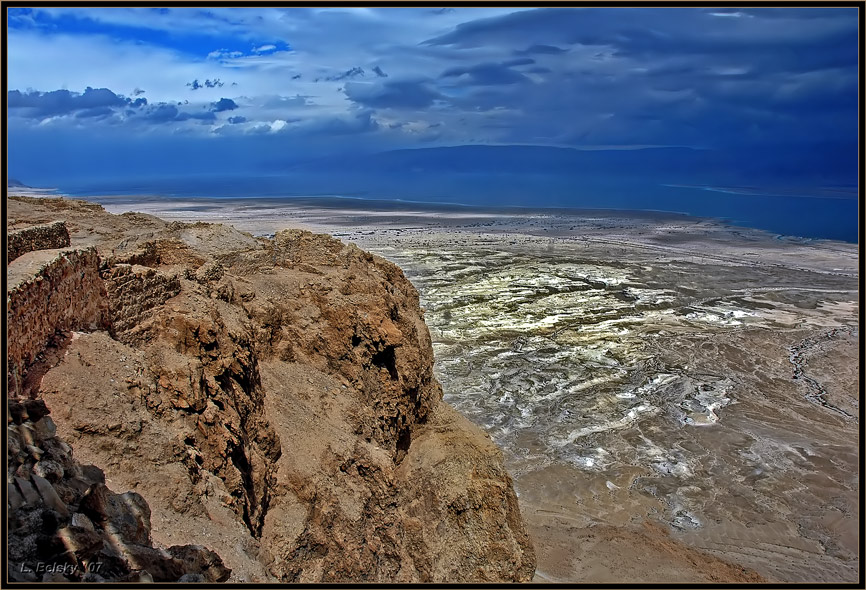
(271, 400)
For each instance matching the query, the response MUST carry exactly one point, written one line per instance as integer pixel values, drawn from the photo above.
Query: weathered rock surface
(66, 525)
(273, 401)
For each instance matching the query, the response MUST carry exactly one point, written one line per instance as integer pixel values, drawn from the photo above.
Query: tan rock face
(274, 400)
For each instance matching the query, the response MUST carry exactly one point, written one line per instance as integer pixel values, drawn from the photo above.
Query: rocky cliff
(272, 401)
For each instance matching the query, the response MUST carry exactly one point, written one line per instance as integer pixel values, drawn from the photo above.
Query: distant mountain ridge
(702, 166)
(508, 159)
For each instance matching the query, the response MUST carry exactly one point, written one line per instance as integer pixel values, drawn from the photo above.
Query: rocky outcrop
(37, 237)
(281, 395)
(66, 525)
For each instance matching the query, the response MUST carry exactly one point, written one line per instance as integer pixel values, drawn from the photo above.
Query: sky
(251, 89)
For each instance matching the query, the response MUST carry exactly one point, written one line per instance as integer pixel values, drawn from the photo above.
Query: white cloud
(731, 14)
(48, 62)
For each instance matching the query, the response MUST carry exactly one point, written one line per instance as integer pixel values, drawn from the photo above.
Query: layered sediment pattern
(620, 380)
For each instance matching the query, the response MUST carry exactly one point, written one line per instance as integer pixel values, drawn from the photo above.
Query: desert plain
(677, 399)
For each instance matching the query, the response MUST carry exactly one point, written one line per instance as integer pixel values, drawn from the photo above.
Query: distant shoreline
(199, 207)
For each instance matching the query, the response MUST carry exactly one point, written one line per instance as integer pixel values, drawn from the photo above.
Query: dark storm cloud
(223, 104)
(162, 113)
(94, 112)
(398, 94)
(40, 105)
(540, 49)
(570, 76)
(670, 75)
(790, 38)
(168, 113)
(537, 23)
(486, 74)
(520, 61)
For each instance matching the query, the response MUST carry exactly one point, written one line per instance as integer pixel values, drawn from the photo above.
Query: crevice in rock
(239, 459)
(404, 439)
(386, 359)
(256, 498)
(415, 396)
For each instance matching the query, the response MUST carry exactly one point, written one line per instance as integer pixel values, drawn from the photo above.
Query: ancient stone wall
(132, 291)
(50, 291)
(38, 237)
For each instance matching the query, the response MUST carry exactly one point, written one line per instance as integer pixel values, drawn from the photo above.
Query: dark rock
(78, 484)
(130, 518)
(23, 547)
(19, 574)
(31, 409)
(81, 521)
(49, 495)
(55, 577)
(44, 428)
(92, 578)
(82, 541)
(29, 493)
(198, 559)
(140, 577)
(50, 470)
(13, 441)
(157, 563)
(34, 451)
(94, 504)
(14, 497)
(93, 473)
(126, 515)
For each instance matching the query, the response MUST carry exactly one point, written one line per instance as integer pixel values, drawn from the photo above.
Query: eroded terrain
(673, 396)
(719, 399)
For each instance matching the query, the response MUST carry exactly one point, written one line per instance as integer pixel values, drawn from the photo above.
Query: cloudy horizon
(251, 89)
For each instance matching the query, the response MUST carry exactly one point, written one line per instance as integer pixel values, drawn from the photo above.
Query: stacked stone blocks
(38, 237)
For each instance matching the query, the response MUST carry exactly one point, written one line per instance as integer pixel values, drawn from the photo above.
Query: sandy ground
(774, 484)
